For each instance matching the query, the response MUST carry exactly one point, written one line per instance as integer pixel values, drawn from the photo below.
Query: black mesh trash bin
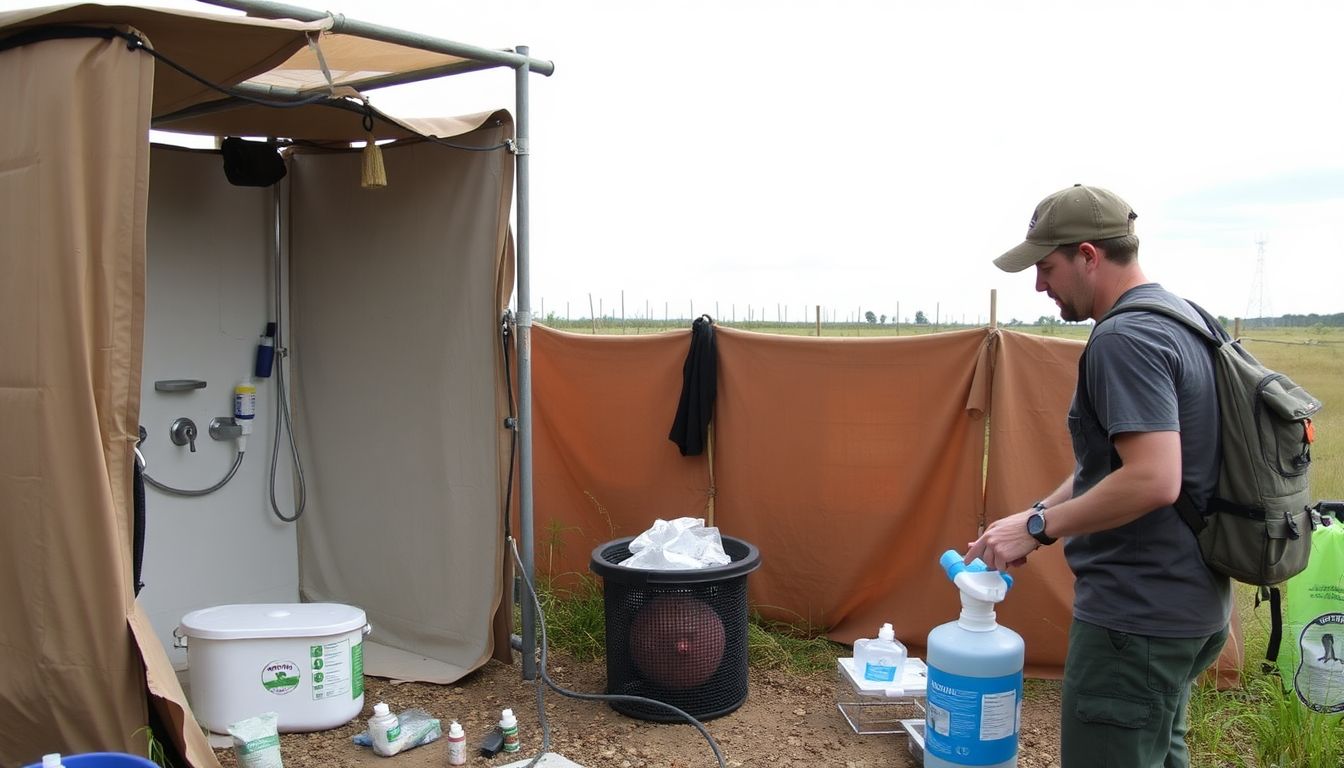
(679, 637)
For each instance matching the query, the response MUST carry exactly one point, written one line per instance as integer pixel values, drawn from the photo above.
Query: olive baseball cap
(1073, 215)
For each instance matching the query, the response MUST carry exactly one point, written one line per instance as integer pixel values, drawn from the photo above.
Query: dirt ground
(787, 720)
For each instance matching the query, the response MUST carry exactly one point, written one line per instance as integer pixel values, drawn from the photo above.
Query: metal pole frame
(524, 282)
(523, 65)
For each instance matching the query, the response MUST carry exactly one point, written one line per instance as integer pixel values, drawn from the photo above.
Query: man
(1148, 615)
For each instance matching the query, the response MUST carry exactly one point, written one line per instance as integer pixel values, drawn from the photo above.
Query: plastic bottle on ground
(508, 725)
(384, 730)
(457, 745)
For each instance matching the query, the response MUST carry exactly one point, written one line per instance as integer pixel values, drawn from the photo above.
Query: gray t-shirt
(1147, 373)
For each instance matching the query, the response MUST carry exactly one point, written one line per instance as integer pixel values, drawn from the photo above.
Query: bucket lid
(230, 622)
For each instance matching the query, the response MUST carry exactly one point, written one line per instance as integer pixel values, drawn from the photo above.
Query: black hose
(138, 534)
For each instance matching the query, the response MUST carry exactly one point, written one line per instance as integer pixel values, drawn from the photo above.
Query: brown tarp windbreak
(852, 464)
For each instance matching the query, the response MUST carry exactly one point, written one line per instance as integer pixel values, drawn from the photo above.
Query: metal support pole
(529, 618)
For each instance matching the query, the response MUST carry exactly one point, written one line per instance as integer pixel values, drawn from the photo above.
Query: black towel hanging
(699, 380)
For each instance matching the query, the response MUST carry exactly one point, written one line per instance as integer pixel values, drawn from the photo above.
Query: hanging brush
(372, 174)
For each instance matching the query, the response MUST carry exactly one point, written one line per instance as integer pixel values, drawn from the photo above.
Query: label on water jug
(972, 720)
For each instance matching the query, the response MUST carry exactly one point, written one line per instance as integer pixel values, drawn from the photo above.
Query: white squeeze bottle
(457, 745)
(384, 730)
(881, 660)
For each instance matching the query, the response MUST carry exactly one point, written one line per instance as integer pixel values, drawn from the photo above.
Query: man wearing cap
(1148, 615)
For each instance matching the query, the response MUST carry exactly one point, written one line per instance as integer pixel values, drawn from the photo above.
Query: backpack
(1257, 526)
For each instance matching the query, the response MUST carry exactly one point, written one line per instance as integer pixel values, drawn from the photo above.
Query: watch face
(1036, 524)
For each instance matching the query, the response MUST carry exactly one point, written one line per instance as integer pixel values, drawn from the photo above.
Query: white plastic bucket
(304, 661)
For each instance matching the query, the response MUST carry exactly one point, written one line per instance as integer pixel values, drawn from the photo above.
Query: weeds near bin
(154, 748)
(798, 648)
(576, 618)
(555, 542)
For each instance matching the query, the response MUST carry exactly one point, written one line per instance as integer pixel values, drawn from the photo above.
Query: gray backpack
(1257, 527)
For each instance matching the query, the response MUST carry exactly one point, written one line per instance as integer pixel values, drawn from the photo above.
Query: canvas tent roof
(276, 60)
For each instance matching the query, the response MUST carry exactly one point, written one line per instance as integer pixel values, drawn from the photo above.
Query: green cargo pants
(1125, 697)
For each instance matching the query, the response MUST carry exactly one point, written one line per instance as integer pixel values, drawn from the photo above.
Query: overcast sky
(859, 155)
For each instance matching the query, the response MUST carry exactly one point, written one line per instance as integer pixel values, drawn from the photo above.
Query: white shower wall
(210, 292)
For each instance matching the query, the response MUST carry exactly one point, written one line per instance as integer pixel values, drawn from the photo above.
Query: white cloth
(681, 544)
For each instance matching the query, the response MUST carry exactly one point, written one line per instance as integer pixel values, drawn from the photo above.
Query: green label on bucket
(280, 677)
(357, 670)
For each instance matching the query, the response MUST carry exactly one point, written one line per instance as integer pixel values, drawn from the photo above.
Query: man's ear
(1091, 254)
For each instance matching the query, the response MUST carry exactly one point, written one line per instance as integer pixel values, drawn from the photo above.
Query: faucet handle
(183, 432)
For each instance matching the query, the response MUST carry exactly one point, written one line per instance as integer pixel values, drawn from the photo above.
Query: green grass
(793, 648)
(576, 618)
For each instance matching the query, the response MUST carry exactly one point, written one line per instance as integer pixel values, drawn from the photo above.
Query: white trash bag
(681, 544)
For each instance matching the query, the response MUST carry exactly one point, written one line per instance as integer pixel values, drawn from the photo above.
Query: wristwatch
(1036, 525)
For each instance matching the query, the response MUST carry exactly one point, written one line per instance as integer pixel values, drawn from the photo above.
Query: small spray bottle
(457, 744)
(508, 725)
(384, 730)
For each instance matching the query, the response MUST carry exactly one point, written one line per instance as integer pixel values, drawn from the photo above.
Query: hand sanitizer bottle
(881, 660)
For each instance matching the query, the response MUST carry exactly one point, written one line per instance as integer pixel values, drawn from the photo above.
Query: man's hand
(1004, 543)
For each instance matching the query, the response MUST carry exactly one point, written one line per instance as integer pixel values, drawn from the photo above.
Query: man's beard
(1068, 313)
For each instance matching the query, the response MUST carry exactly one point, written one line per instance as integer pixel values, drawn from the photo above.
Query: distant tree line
(1292, 321)
(1312, 320)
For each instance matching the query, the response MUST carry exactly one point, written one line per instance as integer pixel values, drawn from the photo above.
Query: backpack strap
(1213, 334)
(1275, 626)
(1211, 331)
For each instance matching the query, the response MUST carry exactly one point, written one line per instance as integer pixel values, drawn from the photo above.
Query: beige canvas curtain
(74, 169)
(397, 295)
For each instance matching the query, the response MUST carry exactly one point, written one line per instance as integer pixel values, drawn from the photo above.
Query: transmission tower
(1256, 306)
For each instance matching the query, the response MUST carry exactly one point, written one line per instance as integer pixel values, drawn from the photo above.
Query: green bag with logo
(1312, 662)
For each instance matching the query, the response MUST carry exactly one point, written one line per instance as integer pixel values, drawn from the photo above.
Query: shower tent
(394, 299)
